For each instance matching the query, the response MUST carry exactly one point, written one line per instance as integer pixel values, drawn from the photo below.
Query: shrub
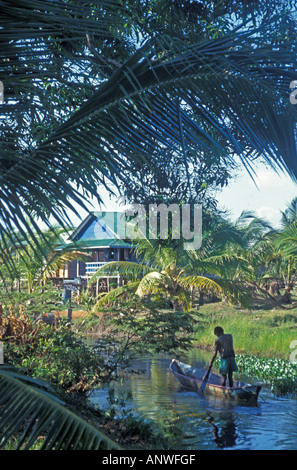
(60, 357)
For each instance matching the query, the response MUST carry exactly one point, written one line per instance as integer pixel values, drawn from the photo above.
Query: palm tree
(289, 216)
(173, 272)
(222, 96)
(36, 258)
(257, 244)
(285, 244)
(271, 253)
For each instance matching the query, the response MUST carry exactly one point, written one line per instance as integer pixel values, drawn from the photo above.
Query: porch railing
(91, 268)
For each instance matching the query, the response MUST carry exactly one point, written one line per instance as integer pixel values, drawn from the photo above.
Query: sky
(267, 198)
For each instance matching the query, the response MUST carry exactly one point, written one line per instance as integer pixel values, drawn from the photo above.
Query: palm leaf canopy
(174, 271)
(224, 96)
(234, 291)
(289, 216)
(31, 410)
(285, 240)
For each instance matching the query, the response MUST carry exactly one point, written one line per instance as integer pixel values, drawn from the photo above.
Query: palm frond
(290, 214)
(152, 282)
(189, 72)
(115, 294)
(160, 283)
(121, 268)
(225, 263)
(132, 117)
(286, 240)
(29, 412)
(235, 292)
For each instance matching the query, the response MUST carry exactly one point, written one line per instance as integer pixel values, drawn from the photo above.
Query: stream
(207, 422)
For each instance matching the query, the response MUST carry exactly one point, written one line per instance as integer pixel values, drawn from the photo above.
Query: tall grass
(259, 332)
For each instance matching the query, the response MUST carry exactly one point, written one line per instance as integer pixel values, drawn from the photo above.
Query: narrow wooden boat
(192, 378)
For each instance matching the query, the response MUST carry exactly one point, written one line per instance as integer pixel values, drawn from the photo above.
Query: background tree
(289, 216)
(35, 259)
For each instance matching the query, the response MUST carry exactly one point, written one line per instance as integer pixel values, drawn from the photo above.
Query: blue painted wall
(98, 229)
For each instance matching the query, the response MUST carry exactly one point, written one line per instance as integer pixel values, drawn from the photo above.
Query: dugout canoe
(191, 378)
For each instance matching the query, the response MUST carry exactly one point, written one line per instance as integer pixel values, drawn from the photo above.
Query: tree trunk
(201, 298)
(175, 304)
(274, 289)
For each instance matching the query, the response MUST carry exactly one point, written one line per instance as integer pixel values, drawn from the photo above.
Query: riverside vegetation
(61, 356)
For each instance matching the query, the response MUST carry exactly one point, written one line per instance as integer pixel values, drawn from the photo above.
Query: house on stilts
(100, 236)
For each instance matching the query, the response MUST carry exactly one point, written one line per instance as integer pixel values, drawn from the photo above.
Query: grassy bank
(260, 332)
(263, 341)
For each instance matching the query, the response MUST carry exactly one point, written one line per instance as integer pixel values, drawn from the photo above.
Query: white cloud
(270, 179)
(271, 194)
(270, 214)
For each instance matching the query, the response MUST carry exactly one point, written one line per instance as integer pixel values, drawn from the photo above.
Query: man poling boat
(192, 378)
(224, 347)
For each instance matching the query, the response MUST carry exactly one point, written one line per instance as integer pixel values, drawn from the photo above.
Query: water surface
(207, 422)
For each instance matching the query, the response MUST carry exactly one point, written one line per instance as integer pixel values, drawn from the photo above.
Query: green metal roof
(98, 230)
(88, 244)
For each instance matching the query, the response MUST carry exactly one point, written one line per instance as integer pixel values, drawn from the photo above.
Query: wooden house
(98, 236)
